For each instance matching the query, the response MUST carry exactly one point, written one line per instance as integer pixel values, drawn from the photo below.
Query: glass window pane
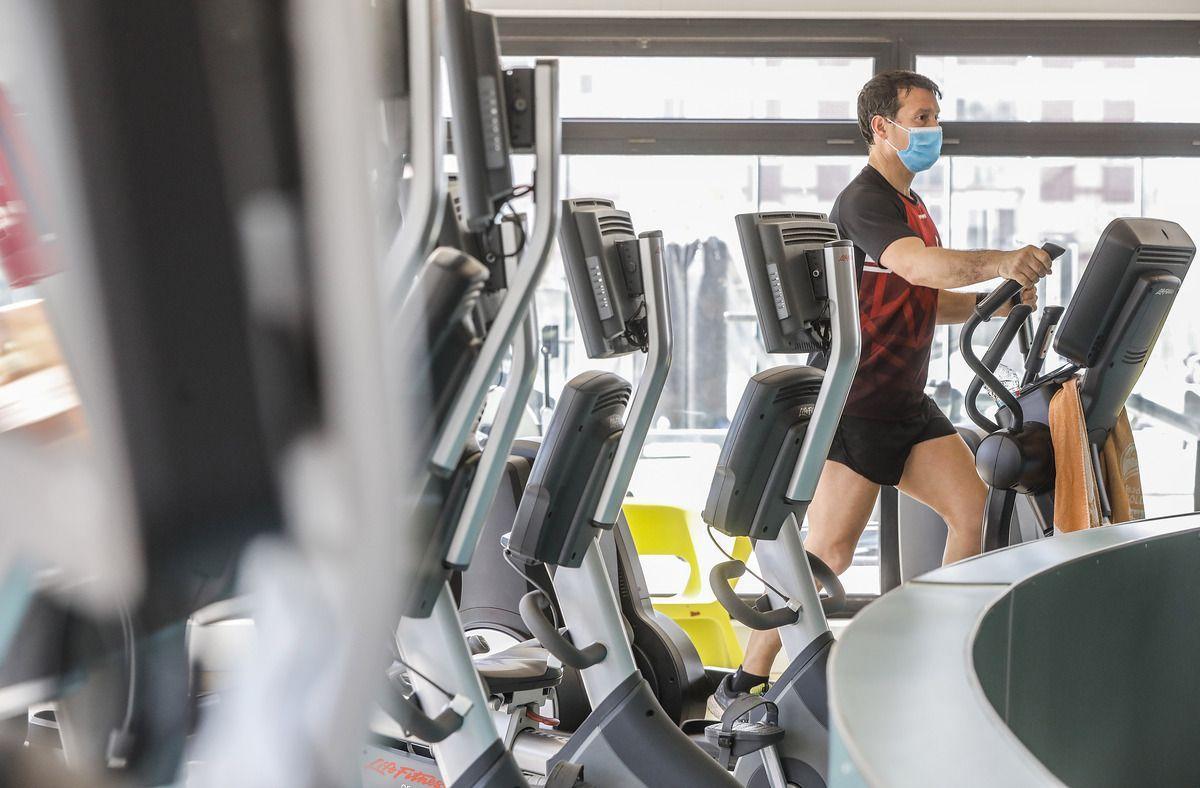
(1003, 203)
(710, 87)
(1113, 90)
(1172, 374)
(805, 183)
(693, 201)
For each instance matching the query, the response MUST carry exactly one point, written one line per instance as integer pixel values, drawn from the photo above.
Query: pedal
(743, 738)
(736, 735)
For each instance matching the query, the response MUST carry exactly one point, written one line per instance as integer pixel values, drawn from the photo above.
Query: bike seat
(518, 668)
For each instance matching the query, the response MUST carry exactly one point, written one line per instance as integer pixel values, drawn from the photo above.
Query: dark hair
(881, 96)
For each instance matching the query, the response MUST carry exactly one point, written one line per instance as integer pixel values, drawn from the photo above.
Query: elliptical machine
(1105, 334)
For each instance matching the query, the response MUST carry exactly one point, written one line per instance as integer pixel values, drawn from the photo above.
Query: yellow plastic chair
(663, 530)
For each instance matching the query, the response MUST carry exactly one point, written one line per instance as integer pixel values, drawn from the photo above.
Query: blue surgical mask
(924, 147)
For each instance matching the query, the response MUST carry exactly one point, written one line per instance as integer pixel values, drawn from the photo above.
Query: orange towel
(1076, 500)
(1122, 473)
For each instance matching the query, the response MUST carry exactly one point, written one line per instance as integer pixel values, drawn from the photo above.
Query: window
(807, 183)
(770, 183)
(1058, 184)
(834, 110)
(1000, 200)
(831, 179)
(694, 206)
(1168, 457)
(710, 87)
(1117, 185)
(979, 110)
(1113, 90)
(1058, 110)
(1118, 111)
(703, 87)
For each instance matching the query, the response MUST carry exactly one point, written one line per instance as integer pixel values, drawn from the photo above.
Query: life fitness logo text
(409, 775)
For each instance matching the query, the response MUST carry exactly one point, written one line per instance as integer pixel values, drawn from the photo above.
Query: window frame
(891, 44)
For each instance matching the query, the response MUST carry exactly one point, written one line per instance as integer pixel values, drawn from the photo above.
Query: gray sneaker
(724, 697)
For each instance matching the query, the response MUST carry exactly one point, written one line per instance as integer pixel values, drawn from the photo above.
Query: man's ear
(878, 126)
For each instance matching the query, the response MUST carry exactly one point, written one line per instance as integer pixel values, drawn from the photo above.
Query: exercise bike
(806, 254)
(806, 299)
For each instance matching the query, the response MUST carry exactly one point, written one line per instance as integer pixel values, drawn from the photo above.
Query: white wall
(818, 9)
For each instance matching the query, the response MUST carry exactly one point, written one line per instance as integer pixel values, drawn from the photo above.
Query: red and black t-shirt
(897, 317)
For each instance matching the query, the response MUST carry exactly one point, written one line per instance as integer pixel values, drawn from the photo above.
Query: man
(891, 433)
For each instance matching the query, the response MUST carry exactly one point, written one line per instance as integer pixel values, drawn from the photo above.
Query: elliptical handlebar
(1041, 341)
(984, 374)
(991, 359)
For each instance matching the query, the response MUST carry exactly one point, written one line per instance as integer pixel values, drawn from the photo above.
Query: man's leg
(940, 473)
(839, 512)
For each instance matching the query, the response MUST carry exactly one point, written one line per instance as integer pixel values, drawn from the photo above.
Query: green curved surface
(1064, 661)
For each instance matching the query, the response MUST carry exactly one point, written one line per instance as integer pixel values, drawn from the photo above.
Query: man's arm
(954, 307)
(943, 269)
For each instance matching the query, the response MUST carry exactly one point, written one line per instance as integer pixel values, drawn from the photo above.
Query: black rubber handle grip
(1006, 291)
(1004, 337)
(1054, 250)
(415, 721)
(1037, 354)
(532, 608)
(830, 582)
(1026, 337)
(718, 579)
(1010, 289)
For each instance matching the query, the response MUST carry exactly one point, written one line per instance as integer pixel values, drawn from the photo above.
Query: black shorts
(878, 449)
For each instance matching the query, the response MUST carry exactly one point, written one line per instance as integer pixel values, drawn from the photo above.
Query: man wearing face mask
(891, 432)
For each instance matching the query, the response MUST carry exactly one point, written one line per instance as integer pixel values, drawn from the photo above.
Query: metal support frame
(846, 347)
(842, 138)
(434, 646)
(586, 594)
(650, 385)
(889, 539)
(525, 343)
(784, 564)
(593, 615)
(893, 42)
(442, 657)
(495, 453)
(466, 407)
(427, 188)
